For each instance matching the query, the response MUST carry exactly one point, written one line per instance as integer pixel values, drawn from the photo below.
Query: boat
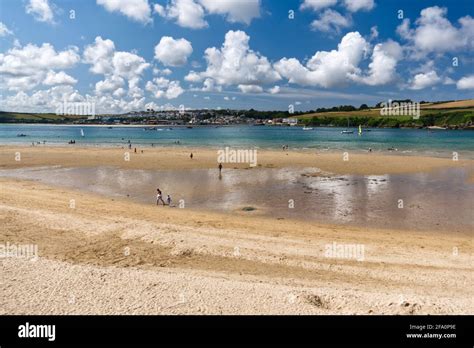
(436, 128)
(347, 131)
(82, 132)
(307, 128)
(21, 135)
(149, 128)
(189, 127)
(360, 130)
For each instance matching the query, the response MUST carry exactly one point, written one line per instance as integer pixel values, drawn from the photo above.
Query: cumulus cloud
(359, 5)
(4, 31)
(161, 87)
(433, 32)
(186, 13)
(236, 64)
(424, 80)
(331, 21)
(242, 11)
(327, 69)
(40, 10)
(137, 10)
(316, 5)
(466, 82)
(173, 52)
(250, 88)
(60, 78)
(23, 68)
(382, 68)
(116, 66)
(274, 90)
(191, 13)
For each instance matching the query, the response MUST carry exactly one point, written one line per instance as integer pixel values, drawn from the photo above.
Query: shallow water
(441, 200)
(408, 141)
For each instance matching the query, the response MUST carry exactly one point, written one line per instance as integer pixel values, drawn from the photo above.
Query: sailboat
(82, 132)
(347, 131)
(307, 128)
(360, 130)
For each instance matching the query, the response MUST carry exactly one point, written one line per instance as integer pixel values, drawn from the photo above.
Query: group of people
(159, 198)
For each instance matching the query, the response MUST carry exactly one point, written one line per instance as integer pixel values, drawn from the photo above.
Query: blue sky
(134, 54)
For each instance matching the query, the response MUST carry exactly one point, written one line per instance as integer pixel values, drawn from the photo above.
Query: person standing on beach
(191, 156)
(158, 197)
(168, 200)
(220, 168)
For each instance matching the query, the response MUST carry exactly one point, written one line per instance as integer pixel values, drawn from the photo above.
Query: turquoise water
(440, 142)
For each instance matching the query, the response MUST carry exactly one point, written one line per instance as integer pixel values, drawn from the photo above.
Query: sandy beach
(107, 255)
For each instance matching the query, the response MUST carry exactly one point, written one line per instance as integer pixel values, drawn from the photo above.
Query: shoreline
(164, 157)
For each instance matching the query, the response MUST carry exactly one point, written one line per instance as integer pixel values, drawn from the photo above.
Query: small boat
(21, 135)
(360, 130)
(436, 128)
(347, 131)
(82, 132)
(307, 128)
(109, 127)
(149, 128)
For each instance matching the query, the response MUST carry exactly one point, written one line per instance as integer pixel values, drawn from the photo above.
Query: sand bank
(108, 256)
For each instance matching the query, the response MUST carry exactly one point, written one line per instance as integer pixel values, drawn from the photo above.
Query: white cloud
(60, 78)
(250, 88)
(236, 64)
(374, 33)
(187, 13)
(191, 13)
(164, 72)
(433, 32)
(4, 31)
(173, 52)
(242, 11)
(317, 4)
(274, 90)
(137, 10)
(330, 21)
(99, 55)
(466, 82)
(161, 87)
(424, 80)
(111, 84)
(358, 5)
(382, 69)
(209, 85)
(116, 66)
(327, 69)
(23, 68)
(40, 10)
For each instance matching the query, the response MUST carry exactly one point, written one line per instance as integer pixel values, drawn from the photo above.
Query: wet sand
(111, 255)
(440, 200)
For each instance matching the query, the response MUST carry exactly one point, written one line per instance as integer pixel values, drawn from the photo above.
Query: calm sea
(438, 143)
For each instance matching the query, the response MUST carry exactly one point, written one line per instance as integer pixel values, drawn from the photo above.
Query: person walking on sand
(220, 168)
(168, 200)
(159, 198)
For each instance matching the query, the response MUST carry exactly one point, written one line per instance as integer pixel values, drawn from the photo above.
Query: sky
(125, 55)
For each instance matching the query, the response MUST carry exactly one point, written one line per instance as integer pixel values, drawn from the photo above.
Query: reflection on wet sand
(441, 200)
